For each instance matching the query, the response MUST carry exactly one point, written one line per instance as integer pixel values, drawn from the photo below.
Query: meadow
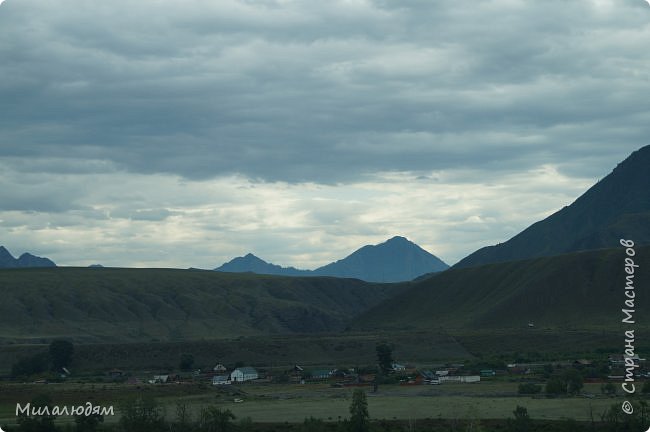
(293, 403)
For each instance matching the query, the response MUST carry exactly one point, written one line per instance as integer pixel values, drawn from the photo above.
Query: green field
(294, 403)
(417, 402)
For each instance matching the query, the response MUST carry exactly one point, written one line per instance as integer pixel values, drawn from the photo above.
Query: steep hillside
(579, 290)
(106, 304)
(617, 206)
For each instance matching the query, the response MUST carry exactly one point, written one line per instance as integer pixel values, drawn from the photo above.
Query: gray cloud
(103, 104)
(322, 92)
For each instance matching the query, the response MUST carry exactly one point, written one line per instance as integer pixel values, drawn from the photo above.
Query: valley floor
(494, 397)
(263, 403)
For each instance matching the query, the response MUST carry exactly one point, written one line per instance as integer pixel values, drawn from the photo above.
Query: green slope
(579, 290)
(104, 304)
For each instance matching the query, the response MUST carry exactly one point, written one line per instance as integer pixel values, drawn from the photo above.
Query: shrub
(187, 361)
(555, 386)
(142, 414)
(359, 418)
(61, 352)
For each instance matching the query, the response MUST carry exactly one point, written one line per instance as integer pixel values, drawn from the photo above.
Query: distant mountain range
(25, 260)
(395, 260)
(616, 207)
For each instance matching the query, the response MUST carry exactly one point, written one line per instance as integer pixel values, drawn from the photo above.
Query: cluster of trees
(187, 361)
(615, 419)
(144, 414)
(58, 356)
(569, 381)
(385, 358)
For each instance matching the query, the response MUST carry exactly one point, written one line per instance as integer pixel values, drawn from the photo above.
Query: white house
(460, 378)
(243, 374)
(321, 374)
(159, 379)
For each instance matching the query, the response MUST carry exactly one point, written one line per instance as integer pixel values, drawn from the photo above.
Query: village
(609, 370)
(489, 388)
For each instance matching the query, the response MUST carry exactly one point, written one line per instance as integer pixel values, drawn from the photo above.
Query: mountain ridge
(250, 263)
(395, 260)
(7, 260)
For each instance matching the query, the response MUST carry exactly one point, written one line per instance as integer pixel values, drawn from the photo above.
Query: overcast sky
(178, 134)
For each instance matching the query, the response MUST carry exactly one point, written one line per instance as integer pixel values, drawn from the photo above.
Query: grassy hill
(579, 290)
(107, 304)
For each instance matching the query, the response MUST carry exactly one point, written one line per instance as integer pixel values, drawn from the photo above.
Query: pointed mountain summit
(616, 207)
(395, 260)
(251, 263)
(25, 260)
(6, 259)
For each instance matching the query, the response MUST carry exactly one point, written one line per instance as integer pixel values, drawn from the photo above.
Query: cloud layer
(178, 134)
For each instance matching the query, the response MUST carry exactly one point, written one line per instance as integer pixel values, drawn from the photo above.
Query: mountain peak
(250, 263)
(6, 258)
(395, 260)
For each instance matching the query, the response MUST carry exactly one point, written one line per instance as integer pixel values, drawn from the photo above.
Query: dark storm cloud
(332, 92)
